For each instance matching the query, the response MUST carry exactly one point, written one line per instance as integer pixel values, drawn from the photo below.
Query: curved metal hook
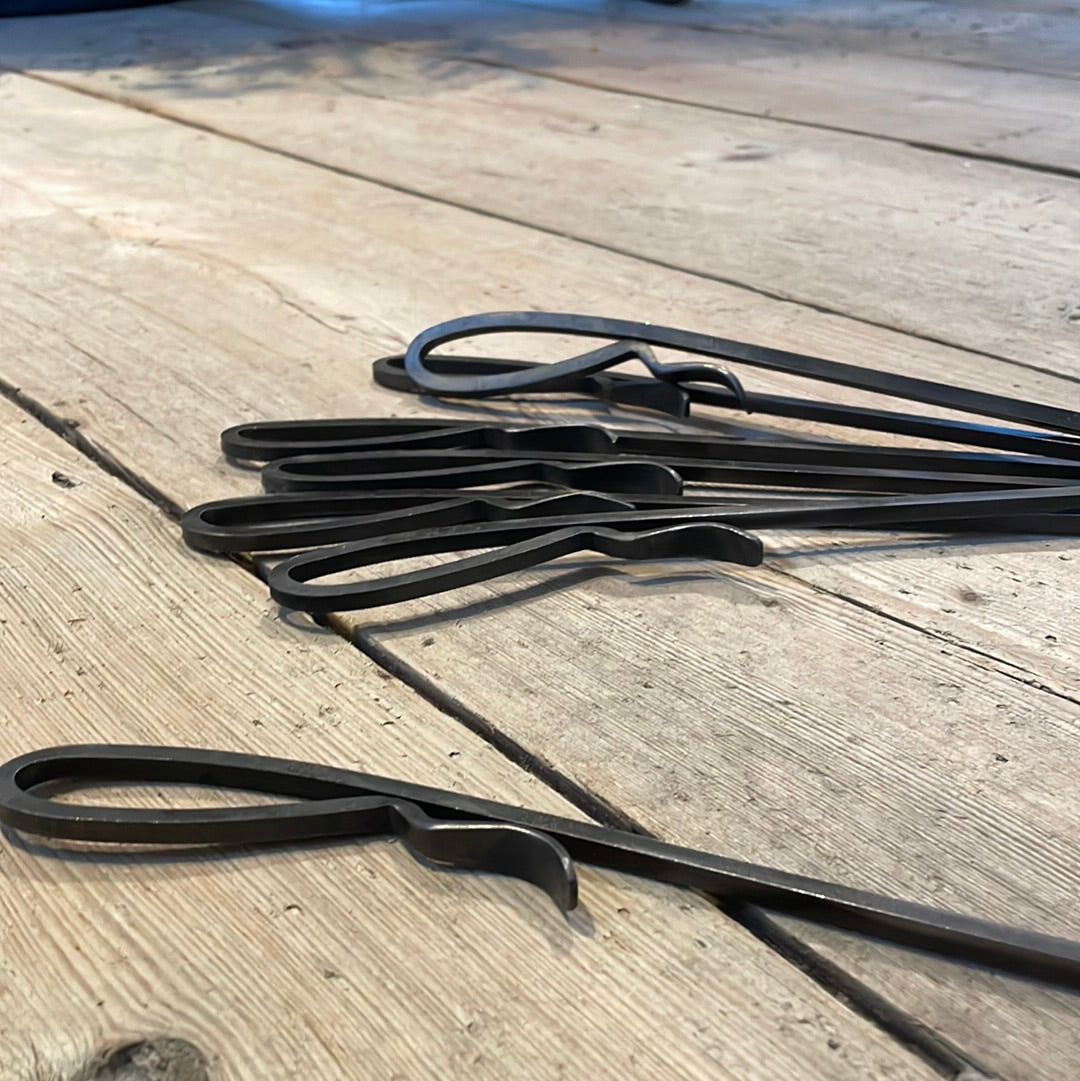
(567, 374)
(632, 336)
(327, 808)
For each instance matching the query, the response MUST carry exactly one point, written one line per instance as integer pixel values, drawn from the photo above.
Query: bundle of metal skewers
(347, 494)
(340, 495)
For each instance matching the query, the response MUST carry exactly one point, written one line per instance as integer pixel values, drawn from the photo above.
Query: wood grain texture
(958, 107)
(303, 963)
(1013, 35)
(836, 223)
(1010, 599)
(195, 283)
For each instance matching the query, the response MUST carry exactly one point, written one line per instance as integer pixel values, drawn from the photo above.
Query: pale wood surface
(314, 960)
(885, 755)
(837, 222)
(1006, 37)
(1013, 35)
(960, 107)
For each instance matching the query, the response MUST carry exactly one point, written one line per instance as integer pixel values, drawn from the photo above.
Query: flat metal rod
(670, 399)
(522, 543)
(553, 440)
(283, 520)
(292, 520)
(339, 803)
(465, 468)
(891, 384)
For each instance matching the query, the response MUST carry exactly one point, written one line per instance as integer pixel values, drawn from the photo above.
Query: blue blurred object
(9, 8)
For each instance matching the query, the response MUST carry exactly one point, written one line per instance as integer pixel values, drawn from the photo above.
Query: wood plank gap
(938, 148)
(582, 797)
(596, 245)
(938, 1051)
(728, 110)
(1007, 669)
(69, 431)
(978, 65)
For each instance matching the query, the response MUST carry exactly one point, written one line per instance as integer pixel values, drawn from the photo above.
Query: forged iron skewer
(523, 543)
(273, 523)
(464, 832)
(670, 399)
(291, 520)
(473, 468)
(276, 440)
(457, 469)
(517, 545)
(633, 341)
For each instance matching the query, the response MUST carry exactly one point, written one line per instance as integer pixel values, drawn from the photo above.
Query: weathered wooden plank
(191, 277)
(964, 108)
(314, 960)
(1017, 36)
(1007, 36)
(976, 601)
(838, 221)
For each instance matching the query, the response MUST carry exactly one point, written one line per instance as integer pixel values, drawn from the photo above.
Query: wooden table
(218, 212)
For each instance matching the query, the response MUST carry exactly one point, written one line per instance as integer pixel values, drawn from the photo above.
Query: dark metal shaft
(523, 843)
(466, 468)
(709, 532)
(633, 335)
(644, 392)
